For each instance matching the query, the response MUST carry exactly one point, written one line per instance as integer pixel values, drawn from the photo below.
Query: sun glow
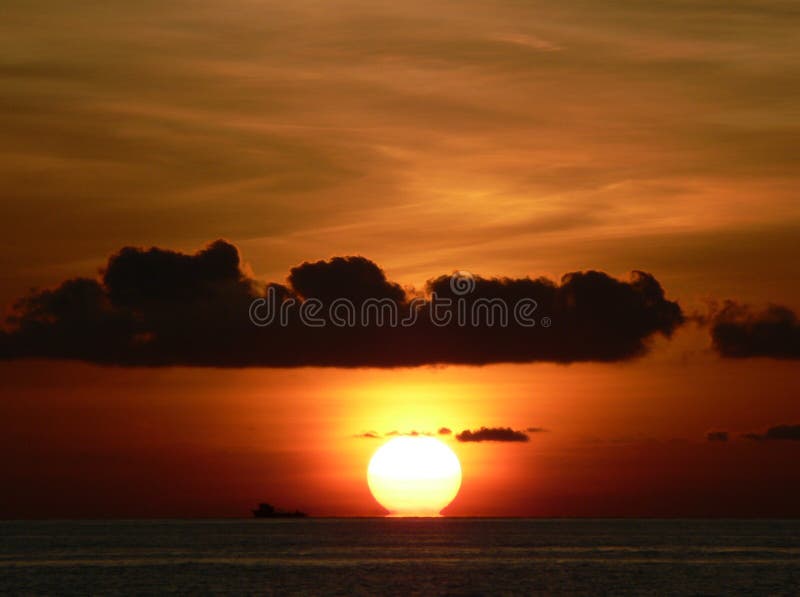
(414, 476)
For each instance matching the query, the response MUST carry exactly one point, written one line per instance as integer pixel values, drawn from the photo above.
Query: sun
(414, 476)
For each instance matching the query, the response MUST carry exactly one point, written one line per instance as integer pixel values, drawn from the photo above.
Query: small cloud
(445, 431)
(717, 436)
(492, 434)
(368, 435)
(738, 331)
(777, 433)
(536, 430)
(412, 433)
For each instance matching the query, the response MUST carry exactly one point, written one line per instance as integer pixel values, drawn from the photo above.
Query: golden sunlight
(414, 476)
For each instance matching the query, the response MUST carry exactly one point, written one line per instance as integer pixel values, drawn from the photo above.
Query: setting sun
(396, 298)
(414, 476)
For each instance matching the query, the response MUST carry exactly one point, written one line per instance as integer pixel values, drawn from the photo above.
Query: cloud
(737, 331)
(779, 432)
(156, 307)
(484, 434)
(717, 436)
(368, 435)
(353, 278)
(492, 434)
(149, 307)
(393, 433)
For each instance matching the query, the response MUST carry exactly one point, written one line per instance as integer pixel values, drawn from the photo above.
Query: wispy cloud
(172, 128)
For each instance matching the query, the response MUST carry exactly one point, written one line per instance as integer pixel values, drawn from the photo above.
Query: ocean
(375, 556)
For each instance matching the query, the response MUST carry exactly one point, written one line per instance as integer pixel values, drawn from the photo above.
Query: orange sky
(502, 138)
(620, 439)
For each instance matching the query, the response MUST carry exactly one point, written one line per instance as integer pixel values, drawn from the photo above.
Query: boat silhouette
(265, 510)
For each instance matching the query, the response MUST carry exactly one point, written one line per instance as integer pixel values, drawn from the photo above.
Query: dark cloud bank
(776, 433)
(779, 432)
(158, 307)
(738, 331)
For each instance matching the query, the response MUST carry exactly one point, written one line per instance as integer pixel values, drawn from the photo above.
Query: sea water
(373, 556)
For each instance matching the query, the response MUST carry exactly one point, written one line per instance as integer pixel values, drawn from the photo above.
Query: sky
(508, 139)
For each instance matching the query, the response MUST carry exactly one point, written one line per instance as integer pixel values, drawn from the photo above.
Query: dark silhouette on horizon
(266, 510)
